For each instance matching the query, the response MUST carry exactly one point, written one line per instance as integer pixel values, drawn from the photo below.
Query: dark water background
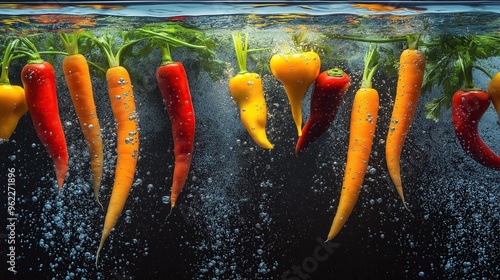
(246, 213)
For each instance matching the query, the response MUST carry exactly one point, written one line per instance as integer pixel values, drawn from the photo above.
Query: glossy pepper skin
(467, 109)
(40, 89)
(494, 91)
(247, 91)
(12, 108)
(173, 84)
(329, 90)
(12, 101)
(296, 71)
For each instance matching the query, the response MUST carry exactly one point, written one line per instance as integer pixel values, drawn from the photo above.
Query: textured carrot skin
(467, 109)
(122, 100)
(173, 84)
(329, 90)
(12, 107)
(247, 91)
(409, 85)
(364, 116)
(40, 92)
(494, 91)
(296, 71)
(76, 72)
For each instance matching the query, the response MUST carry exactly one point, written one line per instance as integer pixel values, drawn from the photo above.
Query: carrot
(411, 74)
(296, 71)
(76, 72)
(121, 96)
(364, 116)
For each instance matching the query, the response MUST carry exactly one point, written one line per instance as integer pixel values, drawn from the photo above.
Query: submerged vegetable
(364, 116)
(329, 90)
(411, 74)
(296, 71)
(494, 91)
(12, 100)
(40, 88)
(468, 106)
(247, 91)
(173, 84)
(121, 96)
(76, 72)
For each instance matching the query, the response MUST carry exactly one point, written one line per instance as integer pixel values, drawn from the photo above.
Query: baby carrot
(411, 74)
(364, 116)
(296, 71)
(76, 72)
(121, 96)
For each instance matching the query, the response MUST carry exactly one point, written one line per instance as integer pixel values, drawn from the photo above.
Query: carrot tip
(171, 209)
(406, 206)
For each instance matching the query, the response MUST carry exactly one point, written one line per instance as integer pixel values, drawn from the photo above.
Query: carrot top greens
(451, 60)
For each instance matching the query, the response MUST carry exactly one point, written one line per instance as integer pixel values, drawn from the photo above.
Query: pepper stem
(166, 57)
(466, 67)
(241, 51)
(31, 52)
(7, 58)
(335, 72)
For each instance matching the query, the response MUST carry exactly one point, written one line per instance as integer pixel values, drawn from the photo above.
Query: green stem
(31, 52)
(7, 58)
(96, 66)
(105, 43)
(466, 65)
(53, 52)
(70, 42)
(370, 40)
(413, 41)
(241, 52)
(166, 57)
(258, 50)
(174, 41)
(122, 48)
(335, 72)
(371, 65)
(483, 70)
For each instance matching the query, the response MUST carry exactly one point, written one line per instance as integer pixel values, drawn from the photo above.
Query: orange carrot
(364, 116)
(411, 74)
(121, 96)
(76, 72)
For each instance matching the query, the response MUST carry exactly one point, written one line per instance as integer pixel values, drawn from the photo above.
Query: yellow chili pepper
(247, 91)
(12, 101)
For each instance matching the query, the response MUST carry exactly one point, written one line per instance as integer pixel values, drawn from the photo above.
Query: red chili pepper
(173, 84)
(329, 90)
(40, 89)
(467, 108)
